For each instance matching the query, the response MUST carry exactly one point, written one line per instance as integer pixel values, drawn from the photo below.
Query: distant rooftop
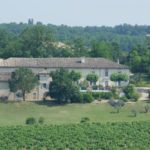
(61, 63)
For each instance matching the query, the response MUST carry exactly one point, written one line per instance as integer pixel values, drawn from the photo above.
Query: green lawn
(17, 112)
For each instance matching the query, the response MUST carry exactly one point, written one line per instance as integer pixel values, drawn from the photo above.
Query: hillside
(127, 36)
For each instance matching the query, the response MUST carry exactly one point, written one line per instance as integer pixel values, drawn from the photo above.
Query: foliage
(41, 120)
(96, 95)
(106, 95)
(102, 95)
(140, 80)
(119, 77)
(30, 121)
(126, 42)
(36, 41)
(28, 40)
(84, 120)
(130, 92)
(117, 104)
(62, 88)
(123, 98)
(92, 78)
(75, 76)
(23, 79)
(87, 97)
(83, 85)
(77, 136)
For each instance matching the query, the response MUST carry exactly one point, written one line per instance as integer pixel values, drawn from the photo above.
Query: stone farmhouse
(43, 66)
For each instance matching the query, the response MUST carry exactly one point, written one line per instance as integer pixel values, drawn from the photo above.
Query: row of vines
(84, 136)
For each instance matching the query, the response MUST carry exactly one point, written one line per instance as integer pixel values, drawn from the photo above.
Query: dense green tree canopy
(118, 77)
(36, 41)
(92, 78)
(62, 88)
(23, 79)
(75, 76)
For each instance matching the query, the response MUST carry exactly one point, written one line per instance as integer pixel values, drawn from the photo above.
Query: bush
(87, 97)
(84, 120)
(30, 121)
(76, 96)
(96, 95)
(123, 98)
(41, 120)
(117, 104)
(130, 92)
(106, 95)
(102, 95)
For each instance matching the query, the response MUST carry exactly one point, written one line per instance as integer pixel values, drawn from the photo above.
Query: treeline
(126, 36)
(124, 42)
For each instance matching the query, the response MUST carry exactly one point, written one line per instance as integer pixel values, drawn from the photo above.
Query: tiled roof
(61, 62)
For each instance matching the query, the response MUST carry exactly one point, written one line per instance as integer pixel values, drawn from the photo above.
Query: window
(106, 73)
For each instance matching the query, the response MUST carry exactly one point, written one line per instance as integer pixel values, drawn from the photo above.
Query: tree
(36, 41)
(117, 104)
(130, 92)
(118, 77)
(79, 47)
(101, 49)
(92, 78)
(23, 79)
(62, 88)
(75, 76)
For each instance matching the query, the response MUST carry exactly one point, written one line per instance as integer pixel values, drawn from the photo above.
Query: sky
(77, 12)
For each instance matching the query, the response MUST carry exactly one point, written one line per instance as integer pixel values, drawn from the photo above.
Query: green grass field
(16, 113)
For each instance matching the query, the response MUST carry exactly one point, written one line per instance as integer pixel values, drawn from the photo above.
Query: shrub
(30, 121)
(84, 120)
(102, 95)
(130, 92)
(87, 97)
(106, 95)
(117, 104)
(41, 120)
(123, 98)
(76, 96)
(96, 95)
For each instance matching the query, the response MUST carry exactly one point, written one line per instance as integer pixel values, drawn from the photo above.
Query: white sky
(77, 12)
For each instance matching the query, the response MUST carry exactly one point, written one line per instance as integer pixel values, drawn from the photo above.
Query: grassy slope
(16, 113)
